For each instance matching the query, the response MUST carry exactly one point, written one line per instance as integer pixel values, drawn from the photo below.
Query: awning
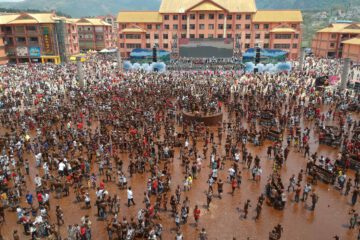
(133, 30)
(283, 30)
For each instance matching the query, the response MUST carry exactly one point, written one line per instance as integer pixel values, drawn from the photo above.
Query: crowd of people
(82, 146)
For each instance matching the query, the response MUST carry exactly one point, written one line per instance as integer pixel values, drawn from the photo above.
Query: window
(238, 26)
(192, 26)
(175, 27)
(122, 45)
(123, 26)
(247, 45)
(238, 35)
(165, 36)
(229, 17)
(229, 35)
(166, 45)
(31, 28)
(296, 36)
(19, 29)
(211, 26)
(20, 40)
(175, 17)
(132, 45)
(201, 26)
(183, 17)
(183, 35)
(247, 26)
(238, 17)
(6, 29)
(192, 35)
(166, 26)
(33, 40)
(221, 26)
(192, 16)
(294, 45)
(156, 36)
(266, 26)
(99, 37)
(148, 45)
(282, 36)
(333, 35)
(266, 45)
(201, 35)
(332, 45)
(147, 36)
(256, 26)
(202, 16)
(248, 36)
(267, 36)
(183, 27)
(248, 17)
(221, 16)
(281, 46)
(133, 36)
(166, 17)
(228, 26)
(219, 36)
(257, 36)
(294, 25)
(211, 16)
(211, 36)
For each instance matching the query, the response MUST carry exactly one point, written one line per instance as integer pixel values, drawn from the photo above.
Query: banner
(34, 51)
(22, 51)
(47, 32)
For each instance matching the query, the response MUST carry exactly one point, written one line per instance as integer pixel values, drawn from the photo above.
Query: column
(225, 17)
(187, 26)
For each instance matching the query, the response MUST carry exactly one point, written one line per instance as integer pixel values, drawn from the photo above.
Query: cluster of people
(122, 135)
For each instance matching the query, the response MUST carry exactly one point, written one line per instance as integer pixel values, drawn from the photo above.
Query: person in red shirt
(233, 185)
(196, 214)
(40, 198)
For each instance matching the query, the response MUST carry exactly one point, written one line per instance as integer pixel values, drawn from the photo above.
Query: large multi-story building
(235, 19)
(351, 49)
(94, 34)
(329, 42)
(40, 37)
(110, 19)
(3, 56)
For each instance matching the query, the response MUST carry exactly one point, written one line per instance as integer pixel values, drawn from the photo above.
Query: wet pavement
(222, 221)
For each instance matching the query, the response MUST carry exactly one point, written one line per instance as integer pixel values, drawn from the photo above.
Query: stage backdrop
(206, 48)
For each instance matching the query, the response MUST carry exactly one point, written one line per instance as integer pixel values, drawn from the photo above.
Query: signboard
(34, 51)
(22, 51)
(47, 32)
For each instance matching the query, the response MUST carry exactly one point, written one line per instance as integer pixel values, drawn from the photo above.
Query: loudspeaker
(154, 54)
(257, 56)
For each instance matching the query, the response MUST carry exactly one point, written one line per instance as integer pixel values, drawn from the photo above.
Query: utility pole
(345, 73)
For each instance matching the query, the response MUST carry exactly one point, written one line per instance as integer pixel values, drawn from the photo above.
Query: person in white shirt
(61, 168)
(38, 181)
(130, 196)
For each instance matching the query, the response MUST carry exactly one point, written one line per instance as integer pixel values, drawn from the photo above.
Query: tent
(266, 55)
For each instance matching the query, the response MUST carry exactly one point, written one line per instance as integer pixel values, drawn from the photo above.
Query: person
(196, 215)
(354, 219)
(314, 200)
(355, 195)
(59, 216)
(246, 208)
(179, 236)
(130, 196)
(16, 235)
(209, 196)
(220, 188)
(203, 235)
(258, 211)
(306, 191)
(29, 198)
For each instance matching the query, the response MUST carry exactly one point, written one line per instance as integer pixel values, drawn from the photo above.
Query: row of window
(208, 16)
(229, 35)
(246, 45)
(21, 40)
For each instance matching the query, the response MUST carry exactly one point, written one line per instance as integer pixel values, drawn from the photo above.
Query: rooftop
(139, 17)
(278, 16)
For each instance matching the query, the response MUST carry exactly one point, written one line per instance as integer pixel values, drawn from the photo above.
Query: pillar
(118, 56)
(187, 26)
(345, 73)
(224, 34)
(301, 60)
(80, 74)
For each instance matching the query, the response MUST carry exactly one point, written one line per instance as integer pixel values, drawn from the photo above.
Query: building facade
(329, 42)
(40, 37)
(110, 19)
(238, 20)
(94, 34)
(3, 56)
(351, 49)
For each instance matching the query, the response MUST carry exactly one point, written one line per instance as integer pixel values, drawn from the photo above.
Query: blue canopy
(267, 55)
(147, 54)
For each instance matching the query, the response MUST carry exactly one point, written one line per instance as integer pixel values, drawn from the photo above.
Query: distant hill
(78, 8)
